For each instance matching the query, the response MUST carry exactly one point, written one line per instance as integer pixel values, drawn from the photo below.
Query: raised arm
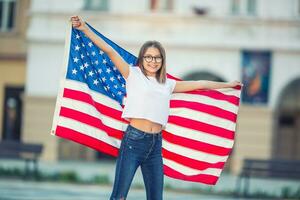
(185, 86)
(118, 61)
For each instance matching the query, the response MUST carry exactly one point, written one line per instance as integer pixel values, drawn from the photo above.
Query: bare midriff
(146, 125)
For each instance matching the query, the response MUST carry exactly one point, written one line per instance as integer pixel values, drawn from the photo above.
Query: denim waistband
(133, 128)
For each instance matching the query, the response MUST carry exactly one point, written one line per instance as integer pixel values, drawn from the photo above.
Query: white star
(74, 71)
(113, 94)
(86, 64)
(77, 48)
(114, 68)
(90, 44)
(103, 79)
(91, 73)
(108, 87)
(105, 88)
(112, 79)
(93, 53)
(82, 56)
(101, 52)
(116, 86)
(87, 53)
(77, 36)
(119, 77)
(108, 70)
(104, 61)
(123, 85)
(96, 62)
(99, 71)
(96, 82)
(120, 93)
(75, 59)
(81, 67)
(82, 44)
(85, 76)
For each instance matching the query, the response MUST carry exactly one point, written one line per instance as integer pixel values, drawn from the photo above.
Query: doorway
(286, 143)
(12, 113)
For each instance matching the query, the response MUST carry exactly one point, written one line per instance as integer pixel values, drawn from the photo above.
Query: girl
(147, 109)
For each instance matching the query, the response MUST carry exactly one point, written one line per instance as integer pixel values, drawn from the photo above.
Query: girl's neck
(153, 75)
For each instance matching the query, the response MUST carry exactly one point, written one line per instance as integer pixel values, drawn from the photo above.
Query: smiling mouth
(152, 66)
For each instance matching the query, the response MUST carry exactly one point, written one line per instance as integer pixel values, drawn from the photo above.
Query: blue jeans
(139, 148)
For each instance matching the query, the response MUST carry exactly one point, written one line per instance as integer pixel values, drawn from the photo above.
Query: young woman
(146, 109)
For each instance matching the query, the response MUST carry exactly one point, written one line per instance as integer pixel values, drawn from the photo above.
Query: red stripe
(85, 97)
(196, 145)
(200, 126)
(200, 178)
(86, 140)
(173, 77)
(217, 95)
(90, 120)
(192, 163)
(212, 110)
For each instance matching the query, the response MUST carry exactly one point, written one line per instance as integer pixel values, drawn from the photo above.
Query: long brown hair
(161, 74)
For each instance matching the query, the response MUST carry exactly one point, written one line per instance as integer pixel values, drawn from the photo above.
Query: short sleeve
(172, 84)
(132, 72)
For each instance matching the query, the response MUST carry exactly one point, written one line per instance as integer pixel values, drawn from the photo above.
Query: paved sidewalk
(20, 190)
(88, 170)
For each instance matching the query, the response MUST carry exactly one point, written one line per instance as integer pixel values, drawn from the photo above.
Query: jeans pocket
(135, 135)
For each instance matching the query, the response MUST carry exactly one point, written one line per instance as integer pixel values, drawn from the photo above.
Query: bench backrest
(272, 168)
(12, 149)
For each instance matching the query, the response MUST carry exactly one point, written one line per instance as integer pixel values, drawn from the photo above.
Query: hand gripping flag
(198, 137)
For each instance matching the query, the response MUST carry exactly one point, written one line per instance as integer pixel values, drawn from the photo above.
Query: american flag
(198, 137)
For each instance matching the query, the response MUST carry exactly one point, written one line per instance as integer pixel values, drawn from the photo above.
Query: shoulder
(133, 72)
(171, 84)
(135, 69)
(170, 81)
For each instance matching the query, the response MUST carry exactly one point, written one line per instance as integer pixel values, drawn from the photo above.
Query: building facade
(13, 27)
(256, 41)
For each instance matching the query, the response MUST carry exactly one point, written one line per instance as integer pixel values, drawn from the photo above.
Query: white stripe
(222, 104)
(92, 111)
(203, 117)
(229, 91)
(199, 136)
(193, 154)
(189, 171)
(62, 78)
(88, 130)
(96, 96)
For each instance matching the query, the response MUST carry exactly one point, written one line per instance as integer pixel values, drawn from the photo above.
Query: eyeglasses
(149, 58)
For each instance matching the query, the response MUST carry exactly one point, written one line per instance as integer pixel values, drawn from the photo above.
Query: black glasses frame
(149, 59)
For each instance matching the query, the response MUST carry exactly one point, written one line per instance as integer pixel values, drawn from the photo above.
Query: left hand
(235, 83)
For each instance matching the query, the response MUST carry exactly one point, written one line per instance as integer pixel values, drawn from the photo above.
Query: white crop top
(147, 99)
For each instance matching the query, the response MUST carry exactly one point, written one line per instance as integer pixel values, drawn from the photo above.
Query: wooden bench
(281, 169)
(28, 152)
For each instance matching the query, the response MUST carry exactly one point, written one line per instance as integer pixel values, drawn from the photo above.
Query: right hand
(78, 23)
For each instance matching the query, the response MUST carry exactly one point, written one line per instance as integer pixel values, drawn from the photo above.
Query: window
(251, 7)
(161, 5)
(7, 15)
(298, 8)
(97, 5)
(243, 7)
(235, 6)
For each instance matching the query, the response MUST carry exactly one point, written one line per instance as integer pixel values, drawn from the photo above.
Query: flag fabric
(198, 137)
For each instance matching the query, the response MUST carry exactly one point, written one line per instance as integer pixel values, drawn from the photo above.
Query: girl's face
(152, 61)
